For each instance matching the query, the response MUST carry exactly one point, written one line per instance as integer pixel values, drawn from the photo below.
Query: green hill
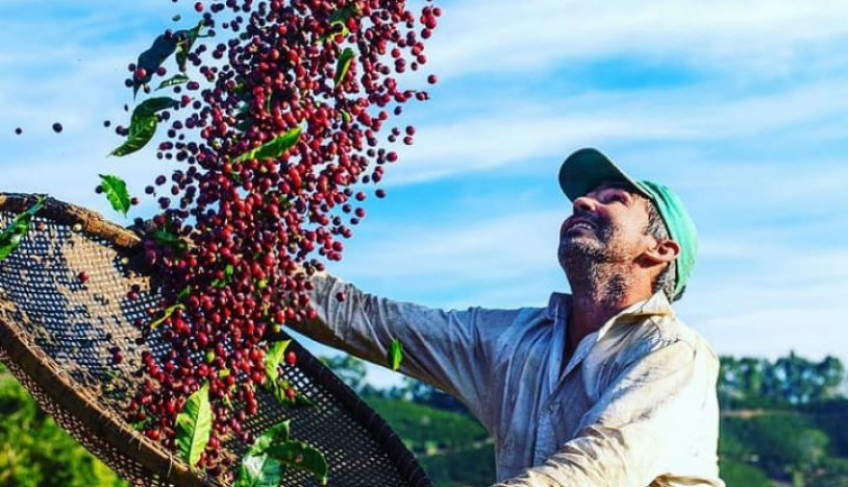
(764, 442)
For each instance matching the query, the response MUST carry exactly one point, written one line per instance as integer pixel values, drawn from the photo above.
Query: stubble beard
(589, 263)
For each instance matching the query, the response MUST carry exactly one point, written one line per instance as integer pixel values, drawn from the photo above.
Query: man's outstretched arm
(449, 349)
(653, 422)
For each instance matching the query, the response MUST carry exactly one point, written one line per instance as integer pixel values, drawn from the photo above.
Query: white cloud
(479, 36)
(492, 249)
(758, 290)
(535, 128)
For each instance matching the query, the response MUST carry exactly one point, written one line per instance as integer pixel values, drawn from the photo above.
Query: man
(603, 387)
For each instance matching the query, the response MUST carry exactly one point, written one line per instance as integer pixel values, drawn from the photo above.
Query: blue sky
(743, 108)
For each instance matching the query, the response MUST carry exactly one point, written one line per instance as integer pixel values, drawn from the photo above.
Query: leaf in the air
(185, 40)
(175, 80)
(151, 106)
(141, 131)
(243, 125)
(274, 358)
(297, 454)
(228, 274)
(257, 468)
(143, 124)
(115, 190)
(343, 65)
(167, 239)
(395, 355)
(14, 232)
(168, 312)
(274, 148)
(184, 294)
(194, 426)
(150, 60)
(338, 22)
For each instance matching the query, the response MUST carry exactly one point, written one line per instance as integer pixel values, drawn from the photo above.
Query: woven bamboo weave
(58, 336)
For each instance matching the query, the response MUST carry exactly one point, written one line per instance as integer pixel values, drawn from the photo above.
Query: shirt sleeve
(639, 427)
(451, 350)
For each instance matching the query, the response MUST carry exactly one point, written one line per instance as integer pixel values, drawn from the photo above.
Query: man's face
(608, 226)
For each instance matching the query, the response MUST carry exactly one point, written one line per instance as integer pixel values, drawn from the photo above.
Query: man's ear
(663, 251)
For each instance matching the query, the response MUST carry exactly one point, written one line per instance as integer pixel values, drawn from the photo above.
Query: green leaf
(278, 390)
(167, 239)
(257, 468)
(194, 426)
(185, 40)
(343, 14)
(297, 454)
(274, 148)
(243, 125)
(184, 293)
(395, 355)
(275, 434)
(163, 46)
(175, 80)
(143, 124)
(141, 131)
(228, 274)
(151, 106)
(273, 359)
(14, 232)
(343, 65)
(259, 471)
(168, 312)
(115, 190)
(339, 18)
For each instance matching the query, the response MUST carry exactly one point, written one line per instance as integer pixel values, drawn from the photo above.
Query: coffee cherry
(233, 229)
(57, 127)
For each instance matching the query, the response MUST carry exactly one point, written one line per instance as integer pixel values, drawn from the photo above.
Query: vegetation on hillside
(783, 424)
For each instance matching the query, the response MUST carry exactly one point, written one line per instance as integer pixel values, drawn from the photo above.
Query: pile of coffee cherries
(242, 224)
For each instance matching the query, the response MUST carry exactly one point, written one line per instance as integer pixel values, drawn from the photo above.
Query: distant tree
(35, 452)
(786, 445)
(789, 381)
(350, 370)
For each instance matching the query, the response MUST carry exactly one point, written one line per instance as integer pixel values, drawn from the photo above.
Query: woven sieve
(57, 337)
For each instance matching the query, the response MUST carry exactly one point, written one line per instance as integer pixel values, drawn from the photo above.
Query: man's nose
(584, 203)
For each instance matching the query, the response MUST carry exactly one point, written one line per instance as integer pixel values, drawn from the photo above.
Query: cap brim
(585, 169)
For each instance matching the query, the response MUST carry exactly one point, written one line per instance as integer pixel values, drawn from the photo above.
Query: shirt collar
(559, 306)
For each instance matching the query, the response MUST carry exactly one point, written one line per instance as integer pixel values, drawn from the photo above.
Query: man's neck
(597, 297)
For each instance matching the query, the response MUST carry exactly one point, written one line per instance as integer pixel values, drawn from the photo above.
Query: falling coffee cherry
(57, 127)
(19, 131)
(251, 176)
(83, 277)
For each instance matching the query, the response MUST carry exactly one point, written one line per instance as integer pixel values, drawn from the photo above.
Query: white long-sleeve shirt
(635, 405)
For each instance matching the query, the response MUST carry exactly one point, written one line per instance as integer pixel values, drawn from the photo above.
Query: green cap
(587, 168)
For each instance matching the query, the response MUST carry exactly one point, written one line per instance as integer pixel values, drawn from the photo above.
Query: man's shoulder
(663, 330)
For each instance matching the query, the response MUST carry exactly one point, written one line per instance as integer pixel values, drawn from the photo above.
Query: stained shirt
(634, 406)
